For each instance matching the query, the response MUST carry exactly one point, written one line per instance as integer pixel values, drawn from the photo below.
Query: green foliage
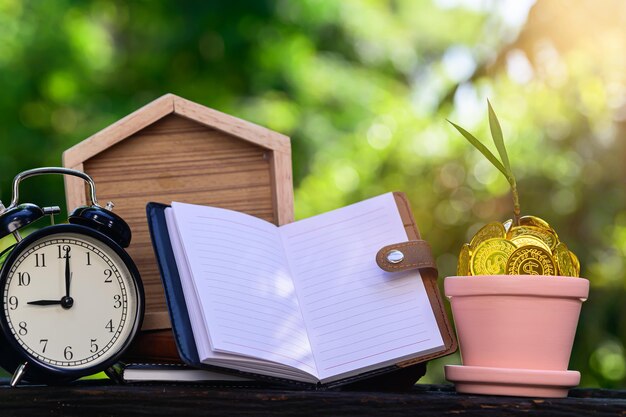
(363, 88)
(505, 165)
(482, 149)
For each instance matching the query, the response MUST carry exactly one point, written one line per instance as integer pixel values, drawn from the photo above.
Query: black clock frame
(12, 354)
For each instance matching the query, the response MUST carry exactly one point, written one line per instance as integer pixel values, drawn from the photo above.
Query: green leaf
(496, 134)
(482, 148)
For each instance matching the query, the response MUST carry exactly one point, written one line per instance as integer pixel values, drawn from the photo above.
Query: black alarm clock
(72, 298)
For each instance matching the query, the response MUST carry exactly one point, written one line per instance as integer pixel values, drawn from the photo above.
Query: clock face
(70, 301)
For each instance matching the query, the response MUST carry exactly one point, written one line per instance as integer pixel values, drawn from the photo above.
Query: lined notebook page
(357, 315)
(197, 320)
(199, 326)
(243, 285)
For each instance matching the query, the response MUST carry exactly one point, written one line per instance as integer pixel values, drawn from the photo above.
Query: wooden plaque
(175, 150)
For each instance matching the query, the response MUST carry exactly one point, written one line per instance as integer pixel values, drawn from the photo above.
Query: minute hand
(68, 274)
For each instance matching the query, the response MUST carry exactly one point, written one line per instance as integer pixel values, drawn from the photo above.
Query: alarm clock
(72, 298)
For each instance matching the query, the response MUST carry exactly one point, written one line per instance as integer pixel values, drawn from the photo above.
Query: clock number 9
(13, 302)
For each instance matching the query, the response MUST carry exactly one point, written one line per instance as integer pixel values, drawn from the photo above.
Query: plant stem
(516, 207)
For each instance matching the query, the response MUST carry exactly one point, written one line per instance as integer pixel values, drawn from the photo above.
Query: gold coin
(530, 260)
(493, 230)
(564, 261)
(463, 267)
(490, 257)
(534, 221)
(548, 236)
(529, 240)
(576, 263)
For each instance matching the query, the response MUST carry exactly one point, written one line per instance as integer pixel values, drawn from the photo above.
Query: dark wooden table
(105, 399)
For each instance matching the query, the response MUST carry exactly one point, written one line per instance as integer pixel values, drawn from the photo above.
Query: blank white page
(358, 317)
(199, 326)
(243, 285)
(196, 318)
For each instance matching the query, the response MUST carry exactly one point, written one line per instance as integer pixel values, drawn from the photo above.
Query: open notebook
(304, 302)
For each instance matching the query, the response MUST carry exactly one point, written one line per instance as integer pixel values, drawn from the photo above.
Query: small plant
(505, 166)
(525, 245)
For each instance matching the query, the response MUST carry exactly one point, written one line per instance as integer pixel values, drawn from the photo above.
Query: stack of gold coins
(532, 248)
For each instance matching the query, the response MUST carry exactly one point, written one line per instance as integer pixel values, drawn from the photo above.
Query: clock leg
(114, 372)
(18, 374)
(17, 236)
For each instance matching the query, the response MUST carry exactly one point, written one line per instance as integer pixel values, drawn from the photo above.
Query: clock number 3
(117, 301)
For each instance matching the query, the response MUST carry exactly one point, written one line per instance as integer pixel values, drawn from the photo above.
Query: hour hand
(45, 302)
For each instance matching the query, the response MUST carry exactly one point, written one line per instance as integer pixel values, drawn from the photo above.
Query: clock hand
(68, 274)
(65, 302)
(45, 302)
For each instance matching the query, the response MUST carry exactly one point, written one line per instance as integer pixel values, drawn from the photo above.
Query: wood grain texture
(97, 399)
(75, 189)
(282, 192)
(173, 104)
(176, 159)
(242, 129)
(119, 131)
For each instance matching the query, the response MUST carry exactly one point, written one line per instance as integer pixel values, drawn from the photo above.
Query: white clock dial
(70, 301)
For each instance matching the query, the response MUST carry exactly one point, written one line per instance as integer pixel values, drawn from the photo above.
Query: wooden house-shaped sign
(175, 150)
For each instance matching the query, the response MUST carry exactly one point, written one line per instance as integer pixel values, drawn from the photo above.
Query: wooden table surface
(105, 399)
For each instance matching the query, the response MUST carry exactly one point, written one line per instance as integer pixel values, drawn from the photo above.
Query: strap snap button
(395, 256)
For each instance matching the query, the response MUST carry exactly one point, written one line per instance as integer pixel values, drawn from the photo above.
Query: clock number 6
(68, 353)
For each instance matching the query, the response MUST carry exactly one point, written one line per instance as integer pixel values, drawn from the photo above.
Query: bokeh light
(364, 90)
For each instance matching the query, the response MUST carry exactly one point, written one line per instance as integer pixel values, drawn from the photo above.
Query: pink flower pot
(515, 333)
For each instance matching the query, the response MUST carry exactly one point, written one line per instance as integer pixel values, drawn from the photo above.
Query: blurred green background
(364, 89)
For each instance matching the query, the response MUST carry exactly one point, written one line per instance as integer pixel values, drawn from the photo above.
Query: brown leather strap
(414, 254)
